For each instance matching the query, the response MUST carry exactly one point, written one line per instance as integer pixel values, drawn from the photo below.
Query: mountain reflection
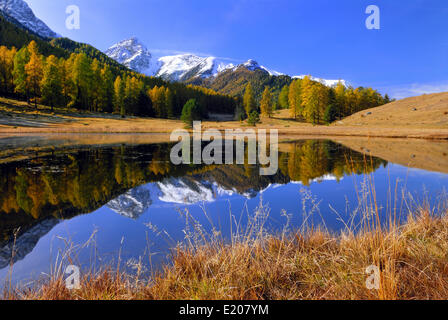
(38, 193)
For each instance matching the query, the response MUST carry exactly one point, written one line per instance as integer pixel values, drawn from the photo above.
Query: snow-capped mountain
(253, 65)
(185, 191)
(182, 67)
(20, 11)
(133, 54)
(187, 66)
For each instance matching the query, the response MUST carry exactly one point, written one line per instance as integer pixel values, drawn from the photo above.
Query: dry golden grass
(425, 111)
(20, 119)
(17, 117)
(413, 260)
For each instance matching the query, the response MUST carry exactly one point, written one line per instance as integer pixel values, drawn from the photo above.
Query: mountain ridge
(22, 13)
(186, 67)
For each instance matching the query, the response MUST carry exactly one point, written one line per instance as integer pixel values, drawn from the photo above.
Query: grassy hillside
(429, 110)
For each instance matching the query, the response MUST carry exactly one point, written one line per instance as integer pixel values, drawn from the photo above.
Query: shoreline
(300, 131)
(431, 155)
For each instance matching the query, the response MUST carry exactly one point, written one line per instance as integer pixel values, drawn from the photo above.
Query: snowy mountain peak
(251, 65)
(183, 67)
(188, 66)
(131, 53)
(19, 10)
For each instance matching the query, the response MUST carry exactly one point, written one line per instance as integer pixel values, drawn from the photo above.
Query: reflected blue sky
(162, 224)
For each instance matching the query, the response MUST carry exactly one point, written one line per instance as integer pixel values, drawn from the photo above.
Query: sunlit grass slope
(425, 111)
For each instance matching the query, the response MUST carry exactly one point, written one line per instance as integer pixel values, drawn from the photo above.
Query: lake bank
(158, 126)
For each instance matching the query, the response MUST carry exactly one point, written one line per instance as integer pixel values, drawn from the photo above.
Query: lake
(126, 202)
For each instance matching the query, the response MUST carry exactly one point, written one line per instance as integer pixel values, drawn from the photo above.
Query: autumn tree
(266, 104)
(97, 86)
(132, 90)
(315, 102)
(350, 102)
(295, 98)
(159, 101)
(340, 100)
(6, 70)
(19, 73)
(169, 99)
(33, 71)
(283, 99)
(51, 86)
(249, 100)
(253, 118)
(65, 70)
(119, 87)
(82, 81)
(106, 99)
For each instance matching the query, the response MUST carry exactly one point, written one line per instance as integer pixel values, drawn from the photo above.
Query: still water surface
(130, 201)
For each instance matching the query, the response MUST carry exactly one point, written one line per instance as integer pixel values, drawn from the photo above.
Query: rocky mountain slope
(132, 54)
(22, 13)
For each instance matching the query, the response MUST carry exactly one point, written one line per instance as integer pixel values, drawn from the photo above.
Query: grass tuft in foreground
(413, 260)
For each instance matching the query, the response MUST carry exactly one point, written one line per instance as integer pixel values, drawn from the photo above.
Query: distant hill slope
(90, 51)
(429, 110)
(233, 82)
(12, 34)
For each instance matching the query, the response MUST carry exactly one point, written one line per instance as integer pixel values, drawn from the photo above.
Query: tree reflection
(74, 182)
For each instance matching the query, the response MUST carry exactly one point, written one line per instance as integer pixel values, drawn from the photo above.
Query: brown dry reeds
(412, 259)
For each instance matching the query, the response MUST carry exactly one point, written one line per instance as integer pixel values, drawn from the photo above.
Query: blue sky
(325, 38)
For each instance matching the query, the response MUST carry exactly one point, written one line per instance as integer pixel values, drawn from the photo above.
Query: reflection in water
(38, 193)
(133, 203)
